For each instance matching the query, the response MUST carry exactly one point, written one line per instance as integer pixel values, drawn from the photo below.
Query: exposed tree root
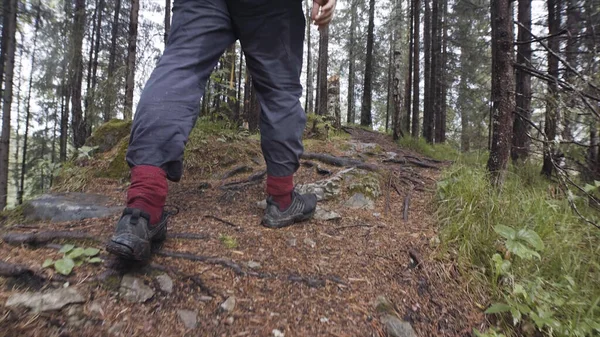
(410, 160)
(338, 161)
(228, 223)
(235, 171)
(45, 237)
(26, 275)
(252, 180)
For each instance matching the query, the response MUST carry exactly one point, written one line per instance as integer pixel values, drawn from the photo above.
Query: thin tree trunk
(28, 107)
(18, 111)
(389, 97)
(436, 71)
(443, 73)
(520, 144)
(552, 112)
(131, 52)
(416, 71)
(9, 45)
(351, 116)
(427, 103)
(78, 122)
(400, 125)
(238, 109)
(409, 74)
(322, 76)
(366, 118)
(112, 97)
(230, 64)
(167, 20)
(572, 47)
(93, 35)
(503, 84)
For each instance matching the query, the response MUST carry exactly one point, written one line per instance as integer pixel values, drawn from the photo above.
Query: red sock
(148, 191)
(280, 188)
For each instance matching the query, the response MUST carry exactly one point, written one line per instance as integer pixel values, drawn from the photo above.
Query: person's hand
(322, 12)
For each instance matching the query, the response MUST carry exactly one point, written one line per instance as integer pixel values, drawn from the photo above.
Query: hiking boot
(302, 208)
(133, 236)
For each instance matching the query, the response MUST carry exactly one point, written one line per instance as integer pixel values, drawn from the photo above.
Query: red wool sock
(148, 191)
(280, 188)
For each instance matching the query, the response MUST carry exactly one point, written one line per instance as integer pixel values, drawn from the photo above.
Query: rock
(277, 333)
(391, 155)
(434, 241)
(323, 319)
(189, 318)
(51, 300)
(205, 298)
(383, 305)
(359, 201)
(75, 317)
(377, 215)
(134, 290)
(253, 265)
(68, 207)
(365, 182)
(262, 204)
(116, 329)
(165, 283)
(95, 308)
(325, 215)
(229, 320)
(229, 304)
(398, 328)
(292, 242)
(109, 134)
(310, 242)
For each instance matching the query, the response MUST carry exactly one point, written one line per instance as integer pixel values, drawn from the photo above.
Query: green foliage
(525, 248)
(435, 151)
(73, 257)
(228, 241)
(118, 167)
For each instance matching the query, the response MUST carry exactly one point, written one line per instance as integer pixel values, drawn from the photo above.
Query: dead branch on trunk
(338, 161)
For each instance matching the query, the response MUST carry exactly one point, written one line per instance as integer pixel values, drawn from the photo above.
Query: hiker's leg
(272, 37)
(201, 30)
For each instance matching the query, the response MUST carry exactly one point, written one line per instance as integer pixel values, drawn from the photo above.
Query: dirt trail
(316, 279)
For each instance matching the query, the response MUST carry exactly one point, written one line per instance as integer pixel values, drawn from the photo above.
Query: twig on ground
(252, 180)
(228, 223)
(410, 160)
(338, 161)
(208, 259)
(236, 170)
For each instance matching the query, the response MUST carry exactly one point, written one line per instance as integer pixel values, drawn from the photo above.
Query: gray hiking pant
(272, 36)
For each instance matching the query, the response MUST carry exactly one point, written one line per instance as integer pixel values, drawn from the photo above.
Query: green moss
(367, 183)
(228, 241)
(109, 134)
(118, 167)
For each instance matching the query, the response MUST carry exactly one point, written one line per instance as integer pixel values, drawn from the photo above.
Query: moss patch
(118, 167)
(109, 134)
(367, 183)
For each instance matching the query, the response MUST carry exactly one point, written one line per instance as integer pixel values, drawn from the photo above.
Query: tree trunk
(416, 71)
(400, 125)
(28, 106)
(16, 171)
(436, 71)
(408, 82)
(333, 98)
(520, 144)
(366, 118)
(253, 109)
(167, 20)
(351, 117)
(389, 97)
(238, 108)
(572, 47)
(444, 72)
(428, 121)
(231, 57)
(308, 104)
(77, 121)
(131, 51)
(552, 112)
(503, 84)
(321, 105)
(9, 44)
(112, 97)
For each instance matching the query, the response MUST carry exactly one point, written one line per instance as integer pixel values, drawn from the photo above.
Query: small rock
(51, 300)
(277, 333)
(359, 200)
(229, 304)
(116, 329)
(68, 207)
(434, 241)
(310, 242)
(383, 305)
(188, 318)
(205, 298)
(377, 215)
(391, 155)
(262, 204)
(229, 320)
(253, 265)
(325, 215)
(292, 242)
(134, 290)
(165, 283)
(324, 319)
(397, 328)
(95, 308)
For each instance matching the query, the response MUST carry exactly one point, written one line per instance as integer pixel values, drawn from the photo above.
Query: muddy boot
(133, 236)
(302, 208)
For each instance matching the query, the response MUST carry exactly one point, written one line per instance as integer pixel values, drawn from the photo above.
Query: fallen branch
(208, 259)
(231, 224)
(45, 237)
(352, 226)
(188, 236)
(252, 180)
(338, 161)
(236, 170)
(410, 160)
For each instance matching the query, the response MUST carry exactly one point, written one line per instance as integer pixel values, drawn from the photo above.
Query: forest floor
(320, 278)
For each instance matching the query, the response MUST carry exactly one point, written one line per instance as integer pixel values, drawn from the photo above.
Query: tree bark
(503, 84)
(428, 121)
(77, 120)
(322, 72)
(112, 56)
(436, 71)
(416, 72)
(552, 109)
(131, 52)
(333, 97)
(400, 125)
(351, 116)
(409, 74)
(9, 45)
(366, 118)
(520, 143)
(167, 20)
(443, 74)
(28, 106)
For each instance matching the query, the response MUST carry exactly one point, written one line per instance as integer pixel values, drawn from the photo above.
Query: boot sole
(129, 247)
(289, 222)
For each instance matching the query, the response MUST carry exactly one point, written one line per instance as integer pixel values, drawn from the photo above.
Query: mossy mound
(109, 134)
(365, 182)
(117, 167)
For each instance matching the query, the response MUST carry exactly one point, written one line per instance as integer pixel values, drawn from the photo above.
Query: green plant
(72, 257)
(228, 241)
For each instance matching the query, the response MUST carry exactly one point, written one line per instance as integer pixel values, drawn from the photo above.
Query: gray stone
(292, 242)
(189, 318)
(310, 242)
(205, 298)
(68, 207)
(359, 201)
(277, 333)
(75, 317)
(229, 320)
(134, 290)
(165, 283)
(229, 304)
(398, 328)
(325, 215)
(262, 204)
(253, 265)
(51, 300)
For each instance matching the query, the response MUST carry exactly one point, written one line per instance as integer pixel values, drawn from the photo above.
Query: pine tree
(416, 66)
(366, 118)
(131, 53)
(351, 115)
(77, 120)
(321, 102)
